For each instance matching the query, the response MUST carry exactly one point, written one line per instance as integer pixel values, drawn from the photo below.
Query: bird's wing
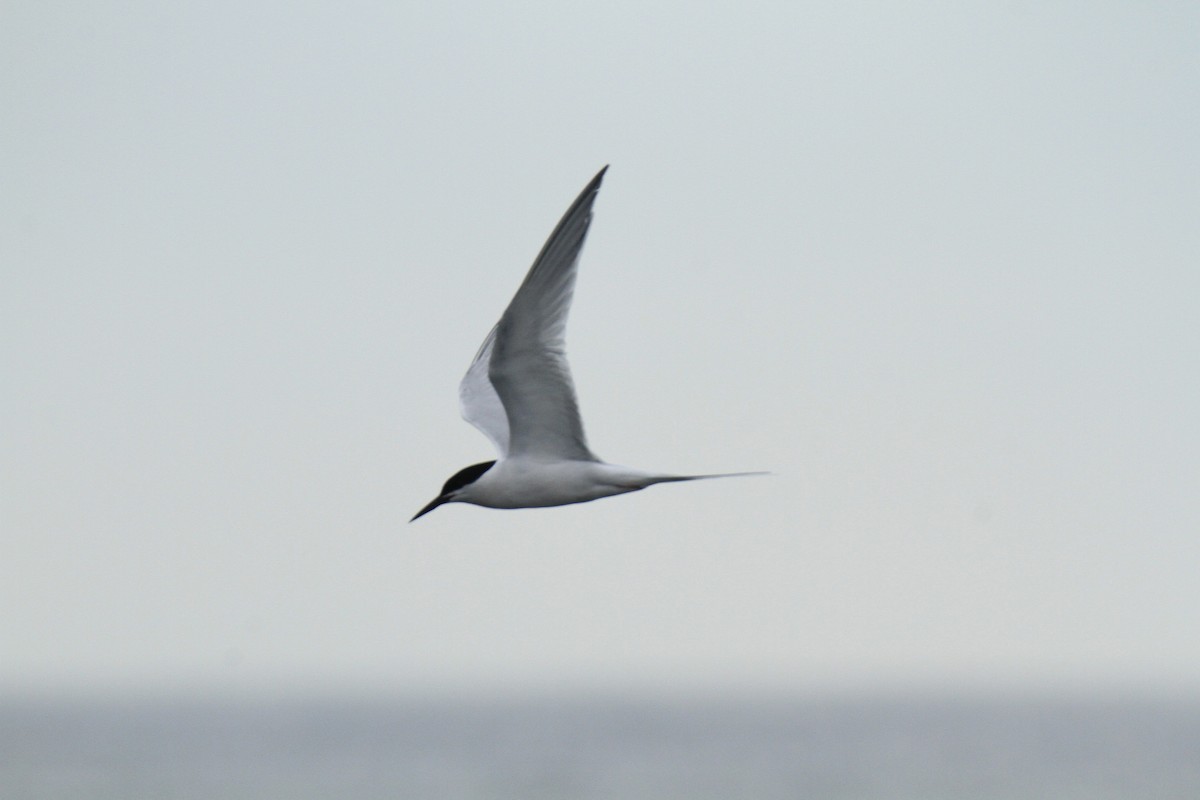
(527, 369)
(478, 401)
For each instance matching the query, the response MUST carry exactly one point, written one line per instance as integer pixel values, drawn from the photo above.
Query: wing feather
(478, 401)
(527, 373)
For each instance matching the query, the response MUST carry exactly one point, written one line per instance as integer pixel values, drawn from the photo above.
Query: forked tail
(650, 481)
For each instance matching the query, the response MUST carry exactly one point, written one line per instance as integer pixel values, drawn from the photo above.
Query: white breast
(527, 483)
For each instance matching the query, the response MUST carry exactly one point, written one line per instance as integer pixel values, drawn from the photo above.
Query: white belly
(521, 483)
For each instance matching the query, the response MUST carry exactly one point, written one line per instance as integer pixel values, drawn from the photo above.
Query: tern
(518, 392)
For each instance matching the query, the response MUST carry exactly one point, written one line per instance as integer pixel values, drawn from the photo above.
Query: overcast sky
(934, 265)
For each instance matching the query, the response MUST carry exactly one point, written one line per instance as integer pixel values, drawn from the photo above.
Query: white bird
(518, 392)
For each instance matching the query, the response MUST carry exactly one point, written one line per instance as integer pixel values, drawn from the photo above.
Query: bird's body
(518, 392)
(536, 483)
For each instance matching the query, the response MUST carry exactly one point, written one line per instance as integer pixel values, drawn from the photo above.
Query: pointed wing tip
(591, 190)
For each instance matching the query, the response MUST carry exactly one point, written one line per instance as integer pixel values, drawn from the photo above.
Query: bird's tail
(653, 479)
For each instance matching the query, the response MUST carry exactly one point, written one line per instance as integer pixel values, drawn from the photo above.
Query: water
(596, 747)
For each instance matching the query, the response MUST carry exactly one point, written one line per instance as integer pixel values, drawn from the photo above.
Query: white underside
(528, 483)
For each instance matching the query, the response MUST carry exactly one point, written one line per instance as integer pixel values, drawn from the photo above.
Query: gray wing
(525, 353)
(478, 401)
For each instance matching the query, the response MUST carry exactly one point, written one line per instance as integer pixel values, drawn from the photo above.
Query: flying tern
(518, 391)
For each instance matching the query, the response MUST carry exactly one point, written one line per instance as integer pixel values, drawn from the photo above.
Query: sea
(593, 746)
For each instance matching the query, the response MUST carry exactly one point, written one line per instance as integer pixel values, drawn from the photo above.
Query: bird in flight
(518, 392)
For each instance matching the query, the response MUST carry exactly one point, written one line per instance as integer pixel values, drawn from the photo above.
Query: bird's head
(452, 490)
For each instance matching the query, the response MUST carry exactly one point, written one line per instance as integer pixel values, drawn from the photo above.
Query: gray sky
(935, 265)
